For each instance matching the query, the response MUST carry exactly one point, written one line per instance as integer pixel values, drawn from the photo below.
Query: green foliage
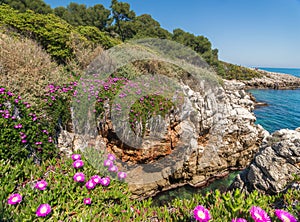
(38, 6)
(80, 15)
(50, 31)
(22, 134)
(230, 71)
(113, 203)
(94, 35)
(199, 44)
(121, 15)
(147, 107)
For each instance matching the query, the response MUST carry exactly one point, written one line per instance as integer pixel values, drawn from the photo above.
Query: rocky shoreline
(272, 80)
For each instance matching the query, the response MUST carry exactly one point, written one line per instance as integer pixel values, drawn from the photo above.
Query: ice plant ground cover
(71, 200)
(61, 184)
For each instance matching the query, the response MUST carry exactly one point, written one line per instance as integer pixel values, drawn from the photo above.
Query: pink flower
(14, 199)
(108, 163)
(76, 157)
(41, 185)
(105, 181)
(113, 168)
(96, 179)
(79, 177)
(285, 216)
(43, 210)
(201, 214)
(90, 184)
(78, 164)
(87, 201)
(259, 215)
(122, 175)
(111, 157)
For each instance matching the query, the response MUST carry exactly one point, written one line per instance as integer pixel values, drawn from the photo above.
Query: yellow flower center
(201, 214)
(285, 218)
(15, 199)
(41, 185)
(43, 210)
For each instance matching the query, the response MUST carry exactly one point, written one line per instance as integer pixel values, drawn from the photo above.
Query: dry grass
(26, 69)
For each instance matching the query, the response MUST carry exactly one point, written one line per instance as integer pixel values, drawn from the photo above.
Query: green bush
(94, 35)
(22, 134)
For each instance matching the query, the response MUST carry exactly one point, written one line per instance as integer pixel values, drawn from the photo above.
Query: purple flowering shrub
(22, 133)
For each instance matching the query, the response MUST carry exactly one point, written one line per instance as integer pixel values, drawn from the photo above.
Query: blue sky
(246, 32)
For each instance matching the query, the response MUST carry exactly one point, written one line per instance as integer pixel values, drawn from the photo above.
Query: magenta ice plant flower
(105, 181)
(79, 177)
(14, 199)
(41, 185)
(108, 163)
(78, 164)
(111, 157)
(90, 184)
(113, 168)
(43, 210)
(259, 215)
(87, 201)
(76, 157)
(122, 175)
(239, 220)
(96, 179)
(201, 214)
(285, 216)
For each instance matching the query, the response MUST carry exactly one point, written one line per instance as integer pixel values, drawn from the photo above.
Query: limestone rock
(274, 165)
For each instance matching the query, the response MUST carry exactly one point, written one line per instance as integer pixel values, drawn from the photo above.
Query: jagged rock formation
(270, 80)
(213, 134)
(274, 166)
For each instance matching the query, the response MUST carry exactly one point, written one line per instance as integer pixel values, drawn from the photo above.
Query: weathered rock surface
(213, 134)
(271, 80)
(274, 166)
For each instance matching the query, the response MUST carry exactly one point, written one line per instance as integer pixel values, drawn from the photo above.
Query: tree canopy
(38, 6)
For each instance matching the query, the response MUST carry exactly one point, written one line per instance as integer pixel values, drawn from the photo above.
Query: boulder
(275, 166)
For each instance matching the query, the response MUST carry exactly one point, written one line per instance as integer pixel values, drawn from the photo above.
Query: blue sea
(283, 110)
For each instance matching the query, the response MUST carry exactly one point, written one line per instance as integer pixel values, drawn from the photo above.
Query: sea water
(283, 110)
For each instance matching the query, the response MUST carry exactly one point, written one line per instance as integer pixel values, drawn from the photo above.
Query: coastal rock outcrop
(275, 166)
(214, 134)
(271, 80)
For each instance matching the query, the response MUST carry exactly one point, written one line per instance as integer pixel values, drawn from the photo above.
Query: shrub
(26, 69)
(22, 134)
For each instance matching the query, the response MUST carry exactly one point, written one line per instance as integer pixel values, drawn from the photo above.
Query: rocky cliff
(213, 134)
(275, 166)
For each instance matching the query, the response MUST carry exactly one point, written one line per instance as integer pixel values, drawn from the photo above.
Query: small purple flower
(239, 220)
(113, 168)
(76, 157)
(43, 210)
(105, 181)
(111, 157)
(90, 184)
(87, 201)
(201, 214)
(41, 185)
(14, 199)
(96, 179)
(108, 163)
(285, 216)
(24, 141)
(78, 164)
(259, 215)
(122, 175)
(79, 177)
